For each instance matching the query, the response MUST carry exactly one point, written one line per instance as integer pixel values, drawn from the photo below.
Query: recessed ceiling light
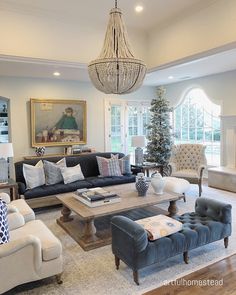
(56, 74)
(138, 8)
(170, 77)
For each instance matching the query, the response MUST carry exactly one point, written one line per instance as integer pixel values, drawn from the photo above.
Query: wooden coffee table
(90, 227)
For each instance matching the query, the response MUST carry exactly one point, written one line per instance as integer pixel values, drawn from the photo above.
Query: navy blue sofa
(45, 195)
(210, 222)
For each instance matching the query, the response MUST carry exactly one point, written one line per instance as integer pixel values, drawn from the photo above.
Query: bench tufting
(210, 222)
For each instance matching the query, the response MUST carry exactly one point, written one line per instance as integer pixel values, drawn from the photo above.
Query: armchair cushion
(18, 206)
(15, 220)
(11, 209)
(51, 246)
(189, 173)
(21, 206)
(5, 197)
(4, 229)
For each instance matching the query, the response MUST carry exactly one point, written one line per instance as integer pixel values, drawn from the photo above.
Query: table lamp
(139, 142)
(6, 151)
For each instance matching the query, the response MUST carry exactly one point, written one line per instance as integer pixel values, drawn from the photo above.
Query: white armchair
(18, 205)
(188, 161)
(33, 253)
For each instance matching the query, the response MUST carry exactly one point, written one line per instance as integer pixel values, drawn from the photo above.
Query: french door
(124, 119)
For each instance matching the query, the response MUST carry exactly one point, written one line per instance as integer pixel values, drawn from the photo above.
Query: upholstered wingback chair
(188, 161)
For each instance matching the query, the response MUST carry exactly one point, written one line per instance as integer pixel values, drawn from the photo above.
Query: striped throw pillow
(124, 164)
(109, 167)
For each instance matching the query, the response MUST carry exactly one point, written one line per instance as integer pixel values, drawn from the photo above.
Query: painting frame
(58, 122)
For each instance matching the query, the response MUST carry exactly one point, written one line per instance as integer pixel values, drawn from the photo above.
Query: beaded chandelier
(116, 70)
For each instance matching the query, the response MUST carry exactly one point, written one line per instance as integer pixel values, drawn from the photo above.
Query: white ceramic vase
(157, 183)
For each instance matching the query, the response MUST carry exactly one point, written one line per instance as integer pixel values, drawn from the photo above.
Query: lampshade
(138, 141)
(6, 150)
(116, 70)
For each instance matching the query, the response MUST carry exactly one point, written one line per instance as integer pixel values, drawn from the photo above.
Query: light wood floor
(224, 269)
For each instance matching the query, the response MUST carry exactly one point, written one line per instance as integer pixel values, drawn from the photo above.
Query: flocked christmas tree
(159, 134)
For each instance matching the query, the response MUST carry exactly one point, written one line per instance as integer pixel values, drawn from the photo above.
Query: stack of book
(97, 196)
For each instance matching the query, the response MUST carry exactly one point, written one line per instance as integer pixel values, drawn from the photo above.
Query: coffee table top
(129, 200)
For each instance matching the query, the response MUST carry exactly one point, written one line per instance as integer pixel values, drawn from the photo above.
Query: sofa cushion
(34, 175)
(51, 246)
(72, 174)
(53, 172)
(109, 167)
(113, 180)
(59, 188)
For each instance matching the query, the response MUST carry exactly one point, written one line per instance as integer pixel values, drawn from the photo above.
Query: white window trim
(124, 118)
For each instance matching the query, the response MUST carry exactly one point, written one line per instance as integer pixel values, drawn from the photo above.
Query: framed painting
(58, 122)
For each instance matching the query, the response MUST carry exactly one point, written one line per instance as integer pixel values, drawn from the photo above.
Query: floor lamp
(6, 151)
(139, 142)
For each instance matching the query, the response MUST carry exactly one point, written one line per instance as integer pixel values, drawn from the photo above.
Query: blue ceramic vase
(141, 186)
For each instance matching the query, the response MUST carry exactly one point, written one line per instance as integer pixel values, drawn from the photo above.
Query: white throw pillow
(34, 175)
(71, 174)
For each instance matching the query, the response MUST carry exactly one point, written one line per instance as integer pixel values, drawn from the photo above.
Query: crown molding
(192, 58)
(42, 61)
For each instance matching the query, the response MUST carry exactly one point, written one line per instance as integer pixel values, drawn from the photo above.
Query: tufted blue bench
(210, 222)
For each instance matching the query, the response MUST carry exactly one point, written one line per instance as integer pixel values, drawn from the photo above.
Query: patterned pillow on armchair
(4, 230)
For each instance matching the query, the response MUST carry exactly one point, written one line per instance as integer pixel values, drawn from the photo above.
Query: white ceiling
(197, 67)
(184, 70)
(155, 13)
(95, 12)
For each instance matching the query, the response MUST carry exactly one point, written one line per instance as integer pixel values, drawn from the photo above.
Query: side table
(146, 167)
(13, 188)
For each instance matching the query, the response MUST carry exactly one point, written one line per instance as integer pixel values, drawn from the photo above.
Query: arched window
(196, 120)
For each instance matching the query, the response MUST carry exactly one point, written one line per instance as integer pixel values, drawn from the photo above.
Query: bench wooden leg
(184, 197)
(117, 262)
(186, 257)
(136, 277)
(226, 242)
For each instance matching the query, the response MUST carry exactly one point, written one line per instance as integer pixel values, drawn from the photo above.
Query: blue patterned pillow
(4, 230)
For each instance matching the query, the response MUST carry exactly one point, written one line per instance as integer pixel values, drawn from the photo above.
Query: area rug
(93, 272)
